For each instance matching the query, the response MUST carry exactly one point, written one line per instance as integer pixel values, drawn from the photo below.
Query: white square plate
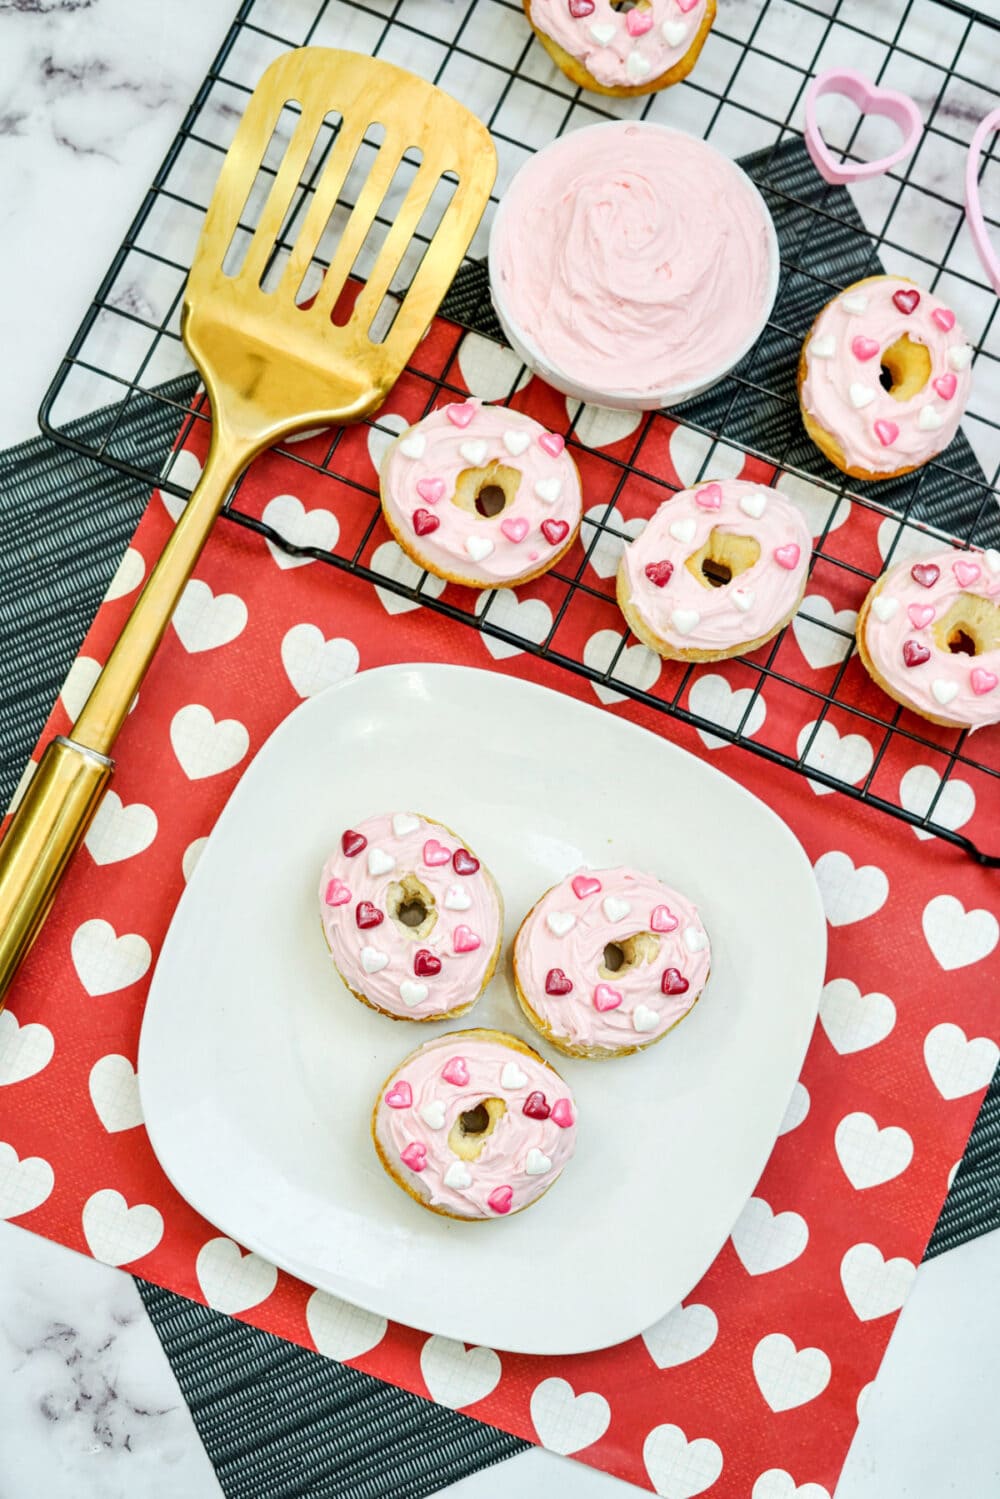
(258, 1070)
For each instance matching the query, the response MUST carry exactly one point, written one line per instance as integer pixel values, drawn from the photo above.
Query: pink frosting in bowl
(632, 265)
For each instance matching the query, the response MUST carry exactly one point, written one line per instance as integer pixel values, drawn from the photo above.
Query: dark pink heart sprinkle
(515, 528)
(944, 317)
(946, 386)
(551, 442)
(907, 299)
(685, 5)
(352, 843)
(709, 498)
(457, 1072)
(337, 893)
(426, 963)
(562, 1113)
(430, 490)
(638, 22)
(915, 654)
(864, 348)
(659, 573)
(886, 432)
(414, 1156)
(435, 852)
(500, 1198)
(535, 1106)
(925, 573)
(663, 920)
(465, 939)
(400, 1095)
(787, 556)
(368, 915)
(424, 522)
(966, 573)
(464, 862)
(461, 413)
(584, 885)
(982, 681)
(607, 998)
(673, 982)
(555, 531)
(920, 614)
(556, 982)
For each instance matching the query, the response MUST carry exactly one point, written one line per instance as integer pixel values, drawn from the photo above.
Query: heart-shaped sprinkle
(915, 654)
(414, 445)
(636, 66)
(337, 893)
(754, 504)
(861, 395)
(380, 862)
(478, 548)
(537, 1163)
(606, 998)
(603, 34)
(552, 443)
(373, 961)
(414, 1156)
(967, 573)
(683, 530)
(366, 915)
(474, 452)
(464, 862)
(433, 1114)
(886, 432)
(426, 963)
(946, 386)
(560, 922)
(615, 909)
(743, 598)
(638, 22)
(458, 1176)
(555, 531)
(944, 317)
(662, 919)
(424, 522)
(855, 304)
(675, 33)
(500, 1198)
(982, 681)
(400, 1095)
(457, 899)
(556, 982)
(907, 299)
(920, 614)
(824, 347)
(685, 620)
(461, 413)
(516, 441)
(644, 1019)
(404, 823)
(580, 8)
(659, 573)
(515, 528)
(695, 940)
(944, 691)
(925, 573)
(412, 994)
(536, 1107)
(548, 490)
(787, 555)
(430, 490)
(685, 5)
(709, 498)
(584, 885)
(512, 1076)
(885, 608)
(673, 982)
(930, 419)
(435, 853)
(864, 348)
(562, 1113)
(352, 843)
(465, 939)
(456, 1072)
(960, 357)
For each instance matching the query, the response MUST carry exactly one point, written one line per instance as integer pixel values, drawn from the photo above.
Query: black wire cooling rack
(746, 95)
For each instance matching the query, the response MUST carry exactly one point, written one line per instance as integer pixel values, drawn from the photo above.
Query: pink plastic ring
(870, 99)
(973, 205)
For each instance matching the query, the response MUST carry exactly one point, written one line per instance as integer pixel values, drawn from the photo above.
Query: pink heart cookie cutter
(871, 100)
(973, 205)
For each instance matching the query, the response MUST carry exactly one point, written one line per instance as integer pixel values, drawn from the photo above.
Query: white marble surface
(91, 92)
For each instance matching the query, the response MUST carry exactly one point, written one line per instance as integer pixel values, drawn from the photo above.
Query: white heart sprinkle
(478, 548)
(414, 446)
(674, 33)
(516, 441)
(695, 939)
(456, 899)
(992, 559)
(433, 1114)
(929, 420)
(861, 395)
(379, 862)
(685, 620)
(636, 66)
(743, 598)
(615, 909)
(944, 691)
(960, 357)
(644, 1019)
(512, 1076)
(683, 530)
(603, 34)
(537, 1163)
(373, 961)
(560, 922)
(458, 1176)
(474, 451)
(403, 823)
(412, 993)
(885, 608)
(548, 490)
(855, 304)
(754, 504)
(823, 348)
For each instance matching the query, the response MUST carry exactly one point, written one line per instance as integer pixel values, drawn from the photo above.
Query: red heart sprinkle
(946, 386)
(944, 317)
(426, 963)
(500, 1199)
(674, 982)
(414, 1156)
(886, 432)
(562, 1113)
(555, 531)
(464, 862)
(352, 843)
(368, 915)
(925, 573)
(580, 8)
(535, 1106)
(915, 654)
(660, 573)
(424, 522)
(864, 348)
(556, 982)
(906, 299)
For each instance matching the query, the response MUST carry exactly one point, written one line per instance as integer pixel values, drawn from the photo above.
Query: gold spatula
(270, 367)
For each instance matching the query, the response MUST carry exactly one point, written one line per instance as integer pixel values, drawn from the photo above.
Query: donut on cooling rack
(481, 495)
(412, 918)
(474, 1125)
(609, 961)
(929, 635)
(603, 47)
(884, 377)
(717, 571)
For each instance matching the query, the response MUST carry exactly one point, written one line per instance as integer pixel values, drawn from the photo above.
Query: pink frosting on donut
(563, 941)
(520, 1159)
(419, 479)
(692, 616)
(842, 390)
(417, 978)
(620, 49)
(900, 627)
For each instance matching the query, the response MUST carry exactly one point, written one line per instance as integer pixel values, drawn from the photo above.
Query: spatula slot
(263, 184)
(387, 297)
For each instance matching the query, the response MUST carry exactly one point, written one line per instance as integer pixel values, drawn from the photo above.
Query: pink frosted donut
(612, 51)
(608, 961)
(481, 495)
(884, 328)
(717, 571)
(929, 635)
(412, 918)
(474, 1125)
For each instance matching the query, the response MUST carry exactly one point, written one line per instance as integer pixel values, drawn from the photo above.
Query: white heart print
(129, 574)
(457, 1376)
(206, 747)
(490, 371)
(24, 1184)
(869, 1155)
(383, 432)
(79, 684)
(826, 636)
(685, 1333)
(233, 1280)
(105, 962)
(874, 1285)
(342, 1331)
(287, 515)
(565, 1421)
(312, 663)
(529, 618)
(711, 697)
(390, 560)
(787, 1376)
(959, 1065)
(777, 1484)
(854, 1021)
(678, 1468)
(918, 792)
(798, 1109)
(181, 468)
(118, 831)
(767, 1241)
(117, 1233)
(637, 665)
(601, 426)
(604, 551)
(204, 620)
(958, 937)
(114, 1092)
(845, 757)
(849, 894)
(25, 1050)
(698, 458)
(822, 508)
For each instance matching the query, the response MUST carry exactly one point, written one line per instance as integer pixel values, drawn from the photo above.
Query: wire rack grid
(746, 96)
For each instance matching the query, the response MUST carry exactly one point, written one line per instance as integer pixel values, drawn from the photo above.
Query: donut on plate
(718, 571)
(884, 377)
(609, 961)
(607, 49)
(474, 1125)
(481, 495)
(412, 919)
(929, 635)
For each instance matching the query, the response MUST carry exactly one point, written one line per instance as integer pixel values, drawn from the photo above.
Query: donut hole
(906, 368)
(961, 644)
(971, 627)
(626, 953)
(486, 492)
(491, 499)
(624, 5)
(411, 906)
(614, 957)
(723, 557)
(474, 1126)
